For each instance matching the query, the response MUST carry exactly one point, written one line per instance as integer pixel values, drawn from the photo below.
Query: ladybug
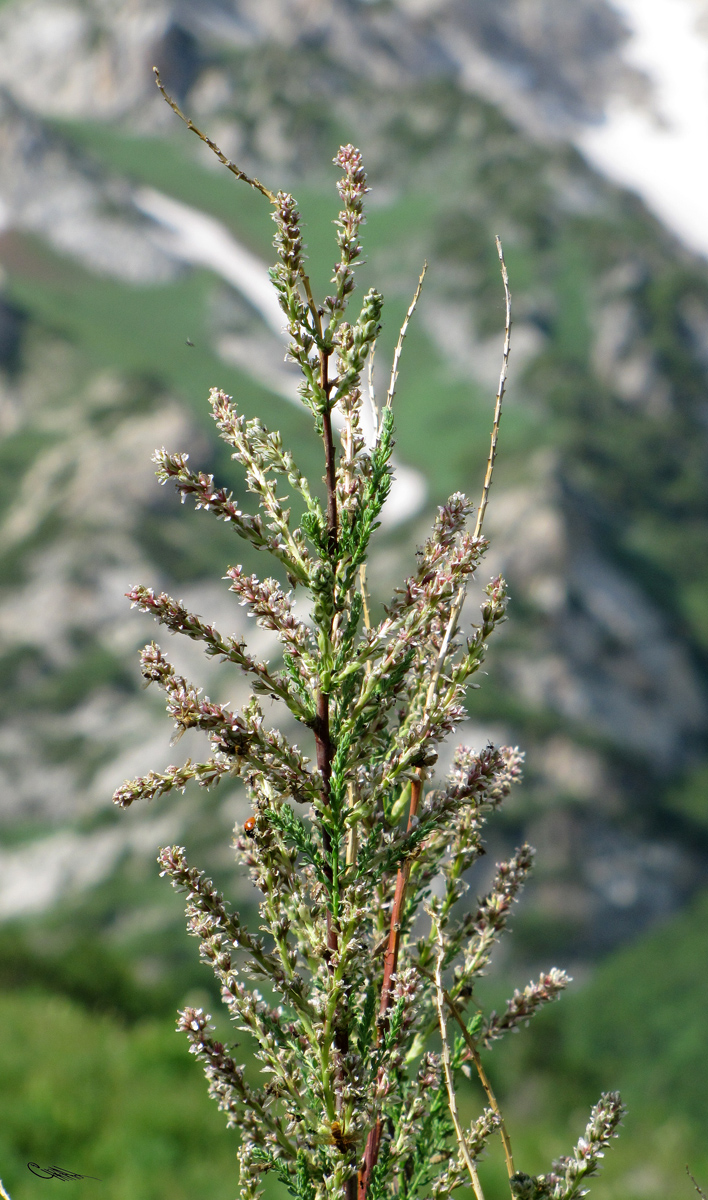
(249, 826)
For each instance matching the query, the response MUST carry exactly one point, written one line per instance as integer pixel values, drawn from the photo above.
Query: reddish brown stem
(325, 752)
(323, 743)
(331, 482)
(330, 460)
(394, 936)
(373, 1142)
(322, 736)
(371, 1154)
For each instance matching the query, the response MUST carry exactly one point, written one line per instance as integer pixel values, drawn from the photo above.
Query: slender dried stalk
(483, 1077)
(401, 337)
(493, 1103)
(484, 1080)
(365, 597)
(230, 166)
(3, 1193)
(500, 394)
(460, 598)
(700, 1191)
(452, 1100)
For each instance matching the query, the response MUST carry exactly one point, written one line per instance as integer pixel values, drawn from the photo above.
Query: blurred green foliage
(126, 1105)
(85, 1090)
(638, 1024)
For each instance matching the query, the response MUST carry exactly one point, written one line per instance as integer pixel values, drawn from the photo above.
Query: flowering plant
(366, 964)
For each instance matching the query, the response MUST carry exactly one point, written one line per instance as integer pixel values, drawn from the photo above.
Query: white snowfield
(661, 151)
(201, 240)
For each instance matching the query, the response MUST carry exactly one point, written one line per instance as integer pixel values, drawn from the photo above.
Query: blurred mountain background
(133, 279)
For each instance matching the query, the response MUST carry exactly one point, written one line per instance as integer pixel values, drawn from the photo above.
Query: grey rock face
(547, 64)
(50, 190)
(588, 651)
(605, 659)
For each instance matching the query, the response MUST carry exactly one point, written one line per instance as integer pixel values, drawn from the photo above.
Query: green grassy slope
(126, 1102)
(638, 1025)
(126, 1105)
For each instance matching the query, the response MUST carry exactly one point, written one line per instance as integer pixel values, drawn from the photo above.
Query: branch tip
(230, 166)
(399, 344)
(500, 392)
(695, 1184)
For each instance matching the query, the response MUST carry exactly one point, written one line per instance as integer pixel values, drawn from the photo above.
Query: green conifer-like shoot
(368, 969)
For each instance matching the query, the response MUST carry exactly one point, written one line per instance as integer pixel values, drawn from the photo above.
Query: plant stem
(456, 610)
(394, 937)
(449, 1081)
(323, 742)
(493, 1103)
(353, 838)
(230, 166)
(330, 480)
(371, 1154)
(483, 1077)
(373, 1142)
(372, 391)
(500, 395)
(325, 752)
(401, 337)
(365, 599)
(690, 1176)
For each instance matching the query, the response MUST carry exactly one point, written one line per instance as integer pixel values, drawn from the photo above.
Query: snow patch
(661, 152)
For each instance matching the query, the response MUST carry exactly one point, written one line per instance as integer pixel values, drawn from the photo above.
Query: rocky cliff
(119, 311)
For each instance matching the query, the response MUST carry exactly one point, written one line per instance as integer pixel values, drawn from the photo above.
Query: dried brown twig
(695, 1184)
(500, 395)
(460, 599)
(401, 338)
(483, 1077)
(230, 166)
(447, 1068)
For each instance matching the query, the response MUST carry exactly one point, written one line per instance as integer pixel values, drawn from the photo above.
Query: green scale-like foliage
(365, 963)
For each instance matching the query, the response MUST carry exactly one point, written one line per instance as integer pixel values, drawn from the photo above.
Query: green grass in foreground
(128, 1104)
(639, 1025)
